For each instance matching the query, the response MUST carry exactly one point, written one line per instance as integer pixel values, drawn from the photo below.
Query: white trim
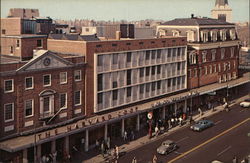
(28, 123)
(49, 80)
(77, 111)
(32, 83)
(8, 128)
(65, 82)
(12, 90)
(12, 119)
(32, 101)
(80, 98)
(66, 101)
(80, 75)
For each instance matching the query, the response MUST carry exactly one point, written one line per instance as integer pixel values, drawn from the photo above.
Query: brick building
(23, 13)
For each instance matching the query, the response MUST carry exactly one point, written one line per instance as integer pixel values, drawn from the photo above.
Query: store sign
(150, 115)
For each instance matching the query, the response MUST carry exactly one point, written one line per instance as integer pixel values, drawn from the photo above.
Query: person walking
(102, 149)
(180, 121)
(125, 135)
(235, 160)
(134, 160)
(200, 111)
(117, 152)
(156, 131)
(154, 159)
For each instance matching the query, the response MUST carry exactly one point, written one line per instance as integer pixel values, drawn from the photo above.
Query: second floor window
(63, 100)
(63, 77)
(46, 80)
(9, 85)
(28, 108)
(78, 75)
(204, 56)
(192, 58)
(222, 53)
(213, 53)
(77, 98)
(8, 112)
(232, 52)
(29, 83)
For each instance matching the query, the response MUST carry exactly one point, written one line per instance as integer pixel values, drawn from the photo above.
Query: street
(226, 139)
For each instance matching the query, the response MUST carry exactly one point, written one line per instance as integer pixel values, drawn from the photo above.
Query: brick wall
(12, 26)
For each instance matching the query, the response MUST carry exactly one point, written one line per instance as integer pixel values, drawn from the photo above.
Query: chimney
(118, 35)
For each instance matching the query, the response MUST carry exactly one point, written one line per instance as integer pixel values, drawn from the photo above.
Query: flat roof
(24, 36)
(5, 59)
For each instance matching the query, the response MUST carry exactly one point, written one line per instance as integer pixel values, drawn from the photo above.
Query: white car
(245, 104)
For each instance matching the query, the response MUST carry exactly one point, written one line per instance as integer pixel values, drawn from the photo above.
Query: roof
(25, 36)
(221, 2)
(74, 37)
(5, 59)
(196, 22)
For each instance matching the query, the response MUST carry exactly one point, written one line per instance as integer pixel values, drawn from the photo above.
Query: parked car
(245, 104)
(167, 147)
(216, 161)
(201, 125)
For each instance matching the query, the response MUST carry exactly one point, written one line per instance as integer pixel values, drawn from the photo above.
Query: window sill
(10, 120)
(77, 104)
(29, 116)
(9, 91)
(29, 88)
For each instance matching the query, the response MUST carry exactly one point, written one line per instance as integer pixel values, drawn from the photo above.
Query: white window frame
(222, 53)
(205, 70)
(80, 75)
(215, 68)
(210, 69)
(195, 72)
(9, 120)
(80, 98)
(26, 108)
(204, 56)
(66, 101)
(64, 82)
(32, 83)
(213, 53)
(232, 49)
(219, 67)
(49, 80)
(9, 91)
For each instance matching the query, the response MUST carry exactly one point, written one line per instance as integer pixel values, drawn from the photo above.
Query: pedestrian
(180, 121)
(235, 160)
(117, 152)
(134, 160)
(172, 122)
(156, 131)
(97, 144)
(125, 135)
(169, 124)
(132, 135)
(200, 111)
(154, 159)
(102, 149)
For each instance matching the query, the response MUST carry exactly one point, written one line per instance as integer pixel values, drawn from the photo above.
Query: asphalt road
(226, 139)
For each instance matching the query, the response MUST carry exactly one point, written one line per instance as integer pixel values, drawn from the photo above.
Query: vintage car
(167, 147)
(201, 125)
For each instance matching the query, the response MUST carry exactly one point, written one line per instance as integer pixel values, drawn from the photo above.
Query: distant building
(222, 11)
(144, 33)
(23, 13)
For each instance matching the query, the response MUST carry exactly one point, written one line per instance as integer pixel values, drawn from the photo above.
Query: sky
(125, 9)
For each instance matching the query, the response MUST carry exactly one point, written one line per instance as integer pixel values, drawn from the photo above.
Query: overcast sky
(125, 9)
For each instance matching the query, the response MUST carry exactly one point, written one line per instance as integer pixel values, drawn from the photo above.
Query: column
(123, 128)
(66, 141)
(38, 152)
(185, 106)
(106, 132)
(138, 122)
(175, 109)
(25, 153)
(163, 112)
(53, 150)
(86, 147)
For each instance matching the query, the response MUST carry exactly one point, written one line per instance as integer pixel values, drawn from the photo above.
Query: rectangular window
(99, 81)
(129, 56)
(11, 50)
(213, 52)
(204, 56)
(29, 108)
(232, 52)
(8, 112)
(39, 43)
(195, 72)
(153, 54)
(147, 55)
(114, 84)
(159, 53)
(3, 31)
(215, 70)
(99, 98)
(147, 71)
(17, 43)
(29, 83)
(153, 86)
(174, 81)
(169, 53)
(153, 70)
(210, 69)
(115, 59)
(159, 85)
(63, 100)
(8, 85)
(141, 89)
(46, 80)
(222, 53)
(46, 104)
(169, 83)
(219, 68)
(115, 94)
(158, 69)
(178, 66)
(129, 77)
(99, 60)
(129, 91)
(77, 98)
(114, 44)
(78, 75)
(141, 72)
(205, 69)
(63, 77)
(147, 87)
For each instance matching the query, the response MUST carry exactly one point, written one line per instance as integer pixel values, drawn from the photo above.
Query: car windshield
(165, 144)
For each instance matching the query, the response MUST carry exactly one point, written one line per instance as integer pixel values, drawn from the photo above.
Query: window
(195, 72)
(114, 44)
(128, 43)
(147, 71)
(115, 94)
(39, 43)
(229, 65)
(205, 69)
(192, 58)
(215, 69)
(204, 36)
(141, 89)
(8, 85)
(147, 55)
(153, 70)
(46, 80)
(223, 35)
(87, 29)
(99, 60)
(219, 68)
(153, 54)
(3, 31)
(232, 52)
(158, 69)
(153, 86)
(99, 81)
(210, 69)
(147, 87)
(63, 100)
(159, 85)
(190, 36)
(214, 36)
(129, 77)
(129, 56)
(204, 56)
(159, 53)
(225, 67)
(115, 58)
(114, 84)
(98, 46)
(213, 52)
(11, 49)
(46, 104)
(222, 53)
(141, 72)
(178, 66)
(99, 98)
(63, 77)
(29, 83)
(129, 91)
(78, 75)
(28, 108)
(232, 34)
(77, 98)
(17, 43)
(140, 43)
(8, 112)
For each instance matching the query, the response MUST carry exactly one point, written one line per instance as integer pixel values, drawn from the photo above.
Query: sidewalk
(132, 145)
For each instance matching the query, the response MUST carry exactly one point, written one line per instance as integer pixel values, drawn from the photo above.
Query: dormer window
(232, 34)
(223, 35)
(190, 36)
(162, 32)
(176, 33)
